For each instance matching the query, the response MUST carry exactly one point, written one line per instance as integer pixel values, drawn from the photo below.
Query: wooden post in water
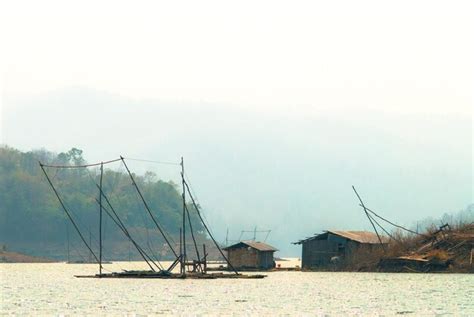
(205, 257)
(100, 218)
(184, 218)
(208, 231)
(181, 251)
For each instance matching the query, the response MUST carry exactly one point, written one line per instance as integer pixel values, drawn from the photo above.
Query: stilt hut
(334, 248)
(251, 255)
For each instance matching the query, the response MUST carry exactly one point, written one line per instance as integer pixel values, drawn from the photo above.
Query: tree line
(32, 221)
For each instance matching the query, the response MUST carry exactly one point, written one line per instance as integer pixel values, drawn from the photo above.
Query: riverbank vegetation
(442, 248)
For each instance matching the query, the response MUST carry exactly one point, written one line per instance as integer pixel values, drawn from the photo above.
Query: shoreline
(15, 257)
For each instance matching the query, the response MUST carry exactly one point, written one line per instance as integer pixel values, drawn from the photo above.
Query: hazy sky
(278, 106)
(408, 56)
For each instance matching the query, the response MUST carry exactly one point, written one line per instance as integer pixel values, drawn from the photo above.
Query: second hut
(251, 255)
(333, 248)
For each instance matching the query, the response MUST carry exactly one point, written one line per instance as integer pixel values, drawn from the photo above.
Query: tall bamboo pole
(183, 259)
(100, 217)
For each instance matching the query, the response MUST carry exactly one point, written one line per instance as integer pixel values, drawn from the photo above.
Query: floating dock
(165, 275)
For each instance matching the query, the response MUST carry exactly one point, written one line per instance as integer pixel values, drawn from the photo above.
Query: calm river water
(51, 289)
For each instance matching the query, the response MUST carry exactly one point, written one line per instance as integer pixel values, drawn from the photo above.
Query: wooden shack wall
(355, 250)
(243, 257)
(250, 258)
(318, 253)
(265, 259)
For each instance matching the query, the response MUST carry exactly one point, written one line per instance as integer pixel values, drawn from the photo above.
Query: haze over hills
(290, 172)
(277, 108)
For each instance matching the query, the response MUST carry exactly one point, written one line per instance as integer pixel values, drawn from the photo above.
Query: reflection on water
(52, 289)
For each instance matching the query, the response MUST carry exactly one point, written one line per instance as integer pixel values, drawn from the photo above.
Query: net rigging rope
(393, 224)
(377, 223)
(149, 242)
(106, 254)
(116, 181)
(81, 166)
(196, 200)
(152, 161)
(168, 235)
(73, 247)
(93, 238)
(79, 221)
(86, 166)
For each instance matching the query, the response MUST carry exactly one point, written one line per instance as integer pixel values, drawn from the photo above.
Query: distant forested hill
(32, 221)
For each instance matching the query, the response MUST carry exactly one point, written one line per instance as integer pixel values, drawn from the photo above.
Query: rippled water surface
(52, 289)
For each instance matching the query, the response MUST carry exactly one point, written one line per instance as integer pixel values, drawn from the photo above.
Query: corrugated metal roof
(260, 246)
(358, 236)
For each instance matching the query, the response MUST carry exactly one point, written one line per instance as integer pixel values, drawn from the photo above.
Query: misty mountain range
(287, 171)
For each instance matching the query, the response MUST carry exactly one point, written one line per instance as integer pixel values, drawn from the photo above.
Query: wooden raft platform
(167, 275)
(275, 269)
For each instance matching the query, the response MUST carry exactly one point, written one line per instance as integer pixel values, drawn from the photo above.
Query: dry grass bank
(443, 249)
